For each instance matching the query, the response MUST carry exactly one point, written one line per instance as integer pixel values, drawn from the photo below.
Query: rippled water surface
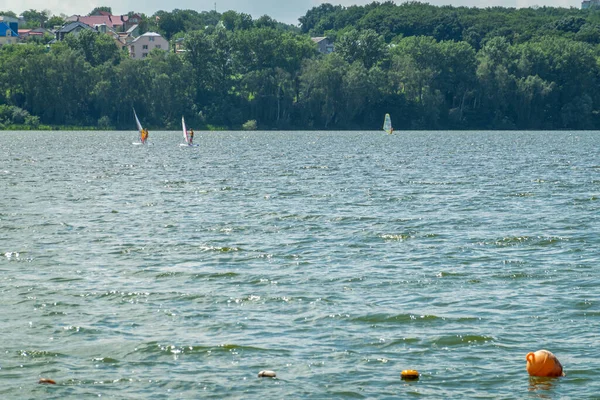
(336, 259)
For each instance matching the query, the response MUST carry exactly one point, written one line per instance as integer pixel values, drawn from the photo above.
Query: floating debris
(267, 374)
(46, 381)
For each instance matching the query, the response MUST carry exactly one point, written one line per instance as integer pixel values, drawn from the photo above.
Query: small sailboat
(387, 124)
(143, 132)
(186, 135)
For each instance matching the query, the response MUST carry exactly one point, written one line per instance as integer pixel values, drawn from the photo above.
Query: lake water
(335, 259)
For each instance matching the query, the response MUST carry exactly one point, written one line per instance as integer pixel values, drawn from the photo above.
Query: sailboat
(387, 124)
(186, 136)
(143, 132)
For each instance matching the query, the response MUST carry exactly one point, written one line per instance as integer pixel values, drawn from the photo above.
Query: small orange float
(543, 363)
(46, 381)
(409, 374)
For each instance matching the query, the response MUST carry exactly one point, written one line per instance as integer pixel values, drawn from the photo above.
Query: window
(158, 46)
(151, 38)
(144, 55)
(145, 47)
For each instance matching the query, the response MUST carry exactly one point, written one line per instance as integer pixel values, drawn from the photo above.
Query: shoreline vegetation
(429, 67)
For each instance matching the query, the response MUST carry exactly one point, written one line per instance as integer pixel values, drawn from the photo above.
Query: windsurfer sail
(387, 124)
(143, 132)
(188, 136)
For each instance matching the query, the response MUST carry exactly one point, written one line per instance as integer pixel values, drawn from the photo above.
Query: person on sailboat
(191, 136)
(144, 135)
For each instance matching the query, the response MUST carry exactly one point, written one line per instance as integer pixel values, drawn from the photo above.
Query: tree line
(429, 67)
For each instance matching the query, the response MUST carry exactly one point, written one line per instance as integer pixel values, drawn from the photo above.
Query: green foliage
(35, 19)
(55, 21)
(171, 23)
(104, 123)
(8, 14)
(365, 46)
(98, 10)
(234, 21)
(569, 24)
(14, 116)
(429, 67)
(250, 125)
(95, 47)
(42, 40)
(265, 22)
(589, 32)
(321, 16)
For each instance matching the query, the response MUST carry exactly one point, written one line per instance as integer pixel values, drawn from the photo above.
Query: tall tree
(35, 19)
(322, 83)
(99, 10)
(366, 46)
(55, 21)
(315, 14)
(96, 48)
(234, 21)
(8, 14)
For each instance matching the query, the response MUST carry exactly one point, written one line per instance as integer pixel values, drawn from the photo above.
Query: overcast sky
(287, 11)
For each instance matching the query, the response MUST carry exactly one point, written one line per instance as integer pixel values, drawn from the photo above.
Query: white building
(143, 45)
(324, 44)
(589, 4)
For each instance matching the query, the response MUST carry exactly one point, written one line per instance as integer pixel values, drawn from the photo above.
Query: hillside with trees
(429, 67)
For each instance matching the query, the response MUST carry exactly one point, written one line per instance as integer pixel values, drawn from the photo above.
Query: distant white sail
(141, 130)
(387, 124)
(137, 121)
(185, 133)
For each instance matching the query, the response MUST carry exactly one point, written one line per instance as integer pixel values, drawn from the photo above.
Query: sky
(287, 11)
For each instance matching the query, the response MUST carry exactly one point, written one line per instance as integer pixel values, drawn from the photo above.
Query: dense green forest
(429, 67)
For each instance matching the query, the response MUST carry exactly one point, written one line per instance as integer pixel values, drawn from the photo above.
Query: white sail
(387, 124)
(137, 121)
(143, 134)
(185, 134)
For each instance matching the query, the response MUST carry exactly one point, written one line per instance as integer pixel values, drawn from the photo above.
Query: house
(118, 23)
(26, 34)
(72, 28)
(9, 20)
(7, 34)
(143, 45)
(132, 20)
(42, 31)
(589, 4)
(180, 46)
(103, 28)
(119, 42)
(133, 31)
(324, 44)
(122, 40)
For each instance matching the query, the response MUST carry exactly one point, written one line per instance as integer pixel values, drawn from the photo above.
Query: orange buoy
(46, 381)
(409, 374)
(543, 363)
